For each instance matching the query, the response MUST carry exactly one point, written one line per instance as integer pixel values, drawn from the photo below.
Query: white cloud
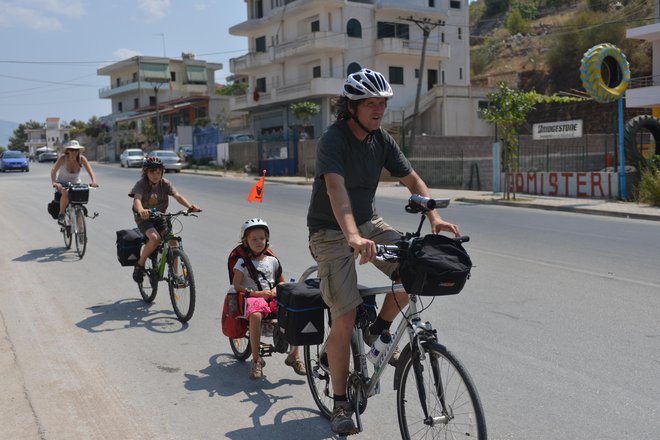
(123, 53)
(40, 15)
(154, 9)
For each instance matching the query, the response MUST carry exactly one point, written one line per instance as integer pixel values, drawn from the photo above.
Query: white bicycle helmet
(366, 83)
(254, 223)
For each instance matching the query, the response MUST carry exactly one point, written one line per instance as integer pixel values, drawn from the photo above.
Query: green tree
(304, 111)
(233, 89)
(19, 139)
(515, 23)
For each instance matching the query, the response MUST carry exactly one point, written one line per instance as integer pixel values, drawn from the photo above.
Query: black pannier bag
(435, 265)
(129, 245)
(300, 313)
(54, 205)
(79, 194)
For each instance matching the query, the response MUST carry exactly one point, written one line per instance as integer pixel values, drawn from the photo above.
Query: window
(261, 85)
(316, 72)
(443, 77)
(396, 75)
(460, 73)
(393, 30)
(120, 107)
(316, 26)
(258, 9)
(173, 76)
(354, 28)
(460, 33)
(136, 103)
(260, 44)
(416, 73)
(431, 3)
(152, 100)
(154, 72)
(196, 74)
(117, 82)
(442, 37)
(455, 4)
(352, 68)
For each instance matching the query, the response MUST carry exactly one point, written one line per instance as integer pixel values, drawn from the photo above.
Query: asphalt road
(558, 325)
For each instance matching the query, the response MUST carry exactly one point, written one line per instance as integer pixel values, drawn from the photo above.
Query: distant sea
(6, 131)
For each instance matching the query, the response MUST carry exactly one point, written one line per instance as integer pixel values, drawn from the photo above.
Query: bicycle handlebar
(417, 203)
(184, 212)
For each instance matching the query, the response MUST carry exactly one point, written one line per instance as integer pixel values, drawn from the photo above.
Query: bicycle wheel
(452, 401)
(318, 373)
(182, 285)
(80, 231)
(241, 347)
(66, 229)
(149, 285)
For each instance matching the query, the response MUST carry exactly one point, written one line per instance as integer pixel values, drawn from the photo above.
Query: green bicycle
(180, 279)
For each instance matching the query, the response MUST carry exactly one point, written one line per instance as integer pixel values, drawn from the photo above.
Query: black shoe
(138, 274)
(60, 220)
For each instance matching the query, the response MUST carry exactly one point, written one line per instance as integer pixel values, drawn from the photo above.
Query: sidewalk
(584, 206)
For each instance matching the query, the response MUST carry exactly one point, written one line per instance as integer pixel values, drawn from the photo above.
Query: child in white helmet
(260, 294)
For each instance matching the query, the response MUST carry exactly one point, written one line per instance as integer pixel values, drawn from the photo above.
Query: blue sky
(50, 49)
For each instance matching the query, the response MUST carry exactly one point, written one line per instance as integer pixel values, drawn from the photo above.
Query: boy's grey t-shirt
(360, 164)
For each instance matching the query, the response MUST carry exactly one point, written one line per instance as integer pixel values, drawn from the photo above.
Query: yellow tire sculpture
(605, 72)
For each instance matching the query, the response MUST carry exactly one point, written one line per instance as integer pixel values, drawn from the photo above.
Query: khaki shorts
(337, 265)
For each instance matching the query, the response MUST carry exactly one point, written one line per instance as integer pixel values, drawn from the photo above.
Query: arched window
(352, 68)
(354, 28)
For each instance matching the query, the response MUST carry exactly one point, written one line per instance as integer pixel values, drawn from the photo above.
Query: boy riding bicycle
(153, 191)
(260, 294)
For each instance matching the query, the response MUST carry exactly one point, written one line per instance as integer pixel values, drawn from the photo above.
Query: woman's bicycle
(179, 278)
(436, 397)
(74, 217)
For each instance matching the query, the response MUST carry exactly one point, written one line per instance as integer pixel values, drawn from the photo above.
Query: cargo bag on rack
(233, 322)
(54, 205)
(300, 313)
(129, 245)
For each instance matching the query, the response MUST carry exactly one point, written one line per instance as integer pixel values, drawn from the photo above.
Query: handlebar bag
(435, 265)
(129, 246)
(79, 194)
(300, 313)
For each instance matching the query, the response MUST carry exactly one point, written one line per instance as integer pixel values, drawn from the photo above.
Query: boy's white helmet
(252, 224)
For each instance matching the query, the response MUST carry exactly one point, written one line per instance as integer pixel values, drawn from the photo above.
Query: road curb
(602, 212)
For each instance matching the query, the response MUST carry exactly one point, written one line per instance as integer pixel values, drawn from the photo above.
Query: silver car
(170, 160)
(47, 156)
(132, 157)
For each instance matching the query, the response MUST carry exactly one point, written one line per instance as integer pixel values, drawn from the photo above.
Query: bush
(516, 24)
(649, 185)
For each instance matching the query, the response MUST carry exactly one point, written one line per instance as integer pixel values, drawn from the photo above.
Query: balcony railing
(398, 46)
(644, 81)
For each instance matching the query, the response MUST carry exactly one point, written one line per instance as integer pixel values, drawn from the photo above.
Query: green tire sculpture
(605, 73)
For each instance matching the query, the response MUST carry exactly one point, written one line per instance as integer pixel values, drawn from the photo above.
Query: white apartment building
(645, 92)
(169, 92)
(302, 50)
(52, 136)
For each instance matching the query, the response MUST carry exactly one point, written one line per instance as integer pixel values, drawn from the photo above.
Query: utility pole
(426, 25)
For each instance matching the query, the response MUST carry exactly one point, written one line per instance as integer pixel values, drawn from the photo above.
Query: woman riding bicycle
(153, 191)
(343, 223)
(69, 165)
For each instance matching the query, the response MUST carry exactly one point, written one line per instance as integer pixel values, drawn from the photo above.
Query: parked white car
(170, 160)
(132, 157)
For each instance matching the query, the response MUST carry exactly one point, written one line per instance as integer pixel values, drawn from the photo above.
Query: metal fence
(586, 154)
(442, 170)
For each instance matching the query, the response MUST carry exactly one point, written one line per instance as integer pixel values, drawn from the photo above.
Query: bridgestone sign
(558, 130)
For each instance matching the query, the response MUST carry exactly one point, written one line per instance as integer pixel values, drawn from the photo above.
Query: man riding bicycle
(153, 191)
(343, 223)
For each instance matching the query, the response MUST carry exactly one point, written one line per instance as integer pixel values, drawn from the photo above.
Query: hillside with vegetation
(538, 44)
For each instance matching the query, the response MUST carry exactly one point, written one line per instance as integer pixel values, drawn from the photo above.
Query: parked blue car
(14, 160)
